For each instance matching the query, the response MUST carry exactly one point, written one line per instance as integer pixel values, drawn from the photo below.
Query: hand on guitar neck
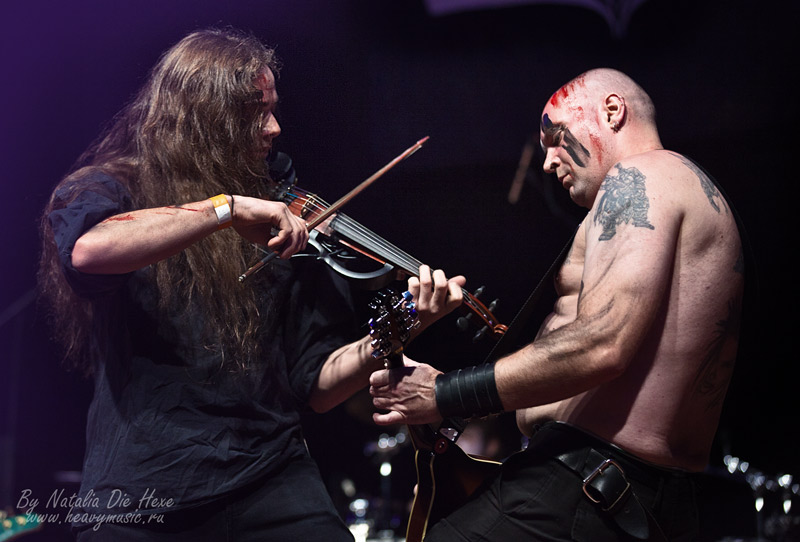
(446, 476)
(395, 320)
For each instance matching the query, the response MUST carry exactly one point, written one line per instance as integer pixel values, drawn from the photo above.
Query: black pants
(537, 498)
(293, 505)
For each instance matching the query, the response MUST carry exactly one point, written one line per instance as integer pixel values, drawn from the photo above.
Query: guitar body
(446, 475)
(446, 478)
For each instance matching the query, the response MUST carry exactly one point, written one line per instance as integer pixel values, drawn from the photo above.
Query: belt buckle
(597, 472)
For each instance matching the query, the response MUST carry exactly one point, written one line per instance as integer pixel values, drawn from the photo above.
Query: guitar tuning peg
(408, 296)
(479, 291)
(379, 351)
(480, 334)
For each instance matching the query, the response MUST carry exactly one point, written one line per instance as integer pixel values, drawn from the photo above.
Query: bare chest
(568, 278)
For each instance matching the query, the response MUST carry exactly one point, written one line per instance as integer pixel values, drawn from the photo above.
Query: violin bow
(341, 202)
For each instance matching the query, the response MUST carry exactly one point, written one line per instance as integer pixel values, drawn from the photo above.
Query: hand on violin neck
(434, 295)
(255, 219)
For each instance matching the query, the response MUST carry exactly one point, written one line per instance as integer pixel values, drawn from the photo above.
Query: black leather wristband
(468, 393)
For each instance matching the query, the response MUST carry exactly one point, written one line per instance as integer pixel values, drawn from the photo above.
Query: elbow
(94, 256)
(320, 402)
(319, 407)
(612, 361)
(83, 255)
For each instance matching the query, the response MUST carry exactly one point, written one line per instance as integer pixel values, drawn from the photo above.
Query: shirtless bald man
(621, 391)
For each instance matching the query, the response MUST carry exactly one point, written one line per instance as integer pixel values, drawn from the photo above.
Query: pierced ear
(615, 110)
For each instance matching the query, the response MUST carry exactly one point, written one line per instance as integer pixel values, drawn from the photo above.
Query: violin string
(367, 237)
(378, 244)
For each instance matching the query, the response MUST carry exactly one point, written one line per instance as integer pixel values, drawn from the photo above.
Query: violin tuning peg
(492, 305)
(480, 334)
(462, 323)
(479, 291)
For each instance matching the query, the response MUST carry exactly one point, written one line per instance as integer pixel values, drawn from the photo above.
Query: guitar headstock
(393, 318)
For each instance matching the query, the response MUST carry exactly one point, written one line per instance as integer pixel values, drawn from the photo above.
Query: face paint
(575, 149)
(559, 134)
(552, 132)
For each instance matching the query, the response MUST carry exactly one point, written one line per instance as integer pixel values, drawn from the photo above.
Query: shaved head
(590, 124)
(595, 85)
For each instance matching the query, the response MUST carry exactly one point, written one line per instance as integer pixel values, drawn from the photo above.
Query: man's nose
(551, 161)
(271, 128)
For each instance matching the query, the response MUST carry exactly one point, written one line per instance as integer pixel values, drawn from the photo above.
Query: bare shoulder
(625, 196)
(667, 173)
(660, 182)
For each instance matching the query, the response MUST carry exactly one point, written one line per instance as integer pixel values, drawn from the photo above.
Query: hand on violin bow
(406, 393)
(434, 295)
(255, 219)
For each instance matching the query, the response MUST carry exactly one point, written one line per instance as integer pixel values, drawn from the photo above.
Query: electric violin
(344, 245)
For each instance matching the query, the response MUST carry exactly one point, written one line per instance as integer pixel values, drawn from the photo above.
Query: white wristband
(223, 210)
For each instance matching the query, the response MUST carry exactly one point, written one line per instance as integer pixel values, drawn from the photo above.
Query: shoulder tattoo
(624, 201)
(711, 191)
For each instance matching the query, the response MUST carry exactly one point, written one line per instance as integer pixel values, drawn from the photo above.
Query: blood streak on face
(597, 145)
(566, 91)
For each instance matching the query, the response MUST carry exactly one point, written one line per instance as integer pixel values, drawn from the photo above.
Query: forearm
(345, 372)
(133, 240)
(552, 368)
(564, 363)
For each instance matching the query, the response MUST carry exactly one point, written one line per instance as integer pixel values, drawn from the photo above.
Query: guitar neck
(395, 359)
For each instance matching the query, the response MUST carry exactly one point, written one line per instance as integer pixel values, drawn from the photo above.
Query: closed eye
(552, 132)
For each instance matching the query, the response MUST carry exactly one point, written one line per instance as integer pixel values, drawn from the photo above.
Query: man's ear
(614, 111)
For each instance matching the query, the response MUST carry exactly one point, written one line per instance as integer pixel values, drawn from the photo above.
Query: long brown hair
(192, 131)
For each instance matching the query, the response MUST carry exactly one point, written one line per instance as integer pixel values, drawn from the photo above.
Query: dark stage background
(361, 82)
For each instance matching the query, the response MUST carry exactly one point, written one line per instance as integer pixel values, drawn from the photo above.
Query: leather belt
(604, 474)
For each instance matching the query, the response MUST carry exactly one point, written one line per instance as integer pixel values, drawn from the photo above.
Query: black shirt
(170, 425)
